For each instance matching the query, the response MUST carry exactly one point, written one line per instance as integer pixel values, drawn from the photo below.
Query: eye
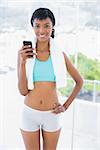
(36, 26)
(46, 26)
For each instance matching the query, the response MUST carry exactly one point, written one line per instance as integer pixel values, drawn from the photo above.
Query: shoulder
(68, 62)
(66, 56)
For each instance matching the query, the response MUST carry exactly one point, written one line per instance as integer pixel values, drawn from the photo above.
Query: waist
(42, 98)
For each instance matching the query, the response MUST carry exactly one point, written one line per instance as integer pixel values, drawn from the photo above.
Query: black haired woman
(41, 70)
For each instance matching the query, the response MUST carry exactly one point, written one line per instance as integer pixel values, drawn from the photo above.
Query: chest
(43, 70)
(43, 56)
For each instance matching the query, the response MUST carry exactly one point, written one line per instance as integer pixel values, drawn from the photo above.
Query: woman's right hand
(26, 52)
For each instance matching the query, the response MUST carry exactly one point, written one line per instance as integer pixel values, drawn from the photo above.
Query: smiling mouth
(42, 36)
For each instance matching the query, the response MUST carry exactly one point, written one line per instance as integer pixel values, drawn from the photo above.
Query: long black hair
(43, 13)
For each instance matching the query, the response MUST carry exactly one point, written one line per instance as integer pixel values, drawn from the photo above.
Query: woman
(39, 74)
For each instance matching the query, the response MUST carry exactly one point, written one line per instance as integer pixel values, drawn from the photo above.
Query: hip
(32, 119)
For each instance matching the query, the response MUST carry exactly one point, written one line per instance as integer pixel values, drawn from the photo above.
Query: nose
(42, 30)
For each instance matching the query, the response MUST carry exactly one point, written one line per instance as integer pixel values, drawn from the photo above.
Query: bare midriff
(43, 96)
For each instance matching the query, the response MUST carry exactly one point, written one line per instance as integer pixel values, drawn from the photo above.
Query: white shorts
(33, 120)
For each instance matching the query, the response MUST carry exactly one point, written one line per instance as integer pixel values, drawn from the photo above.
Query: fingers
(56, 104)
(58, 108)
(27, 52)
(26, 49)
(26, 46)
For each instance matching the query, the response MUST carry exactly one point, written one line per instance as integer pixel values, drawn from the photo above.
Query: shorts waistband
(36, 110)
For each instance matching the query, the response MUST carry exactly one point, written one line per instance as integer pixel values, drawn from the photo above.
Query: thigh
(31, 139)
(50, 139)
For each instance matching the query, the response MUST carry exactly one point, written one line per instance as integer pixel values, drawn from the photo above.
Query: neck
(42, 46)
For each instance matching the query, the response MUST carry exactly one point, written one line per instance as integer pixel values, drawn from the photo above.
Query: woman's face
(43, 29)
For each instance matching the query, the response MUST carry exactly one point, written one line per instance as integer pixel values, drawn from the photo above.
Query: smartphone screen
(27, 43)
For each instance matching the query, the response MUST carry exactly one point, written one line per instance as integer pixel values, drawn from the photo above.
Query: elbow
(80, 83)
(23, 93)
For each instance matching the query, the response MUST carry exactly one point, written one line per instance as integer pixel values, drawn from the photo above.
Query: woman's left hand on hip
(58, 108)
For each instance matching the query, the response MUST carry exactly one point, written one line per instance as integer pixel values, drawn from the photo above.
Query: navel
(41, 102)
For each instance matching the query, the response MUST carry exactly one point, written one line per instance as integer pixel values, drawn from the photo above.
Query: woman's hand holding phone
(26, 51)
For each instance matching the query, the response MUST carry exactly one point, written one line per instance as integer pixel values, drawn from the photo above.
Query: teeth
(42, 35)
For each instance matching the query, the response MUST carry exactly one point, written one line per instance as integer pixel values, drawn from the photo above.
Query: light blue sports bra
(43, 71)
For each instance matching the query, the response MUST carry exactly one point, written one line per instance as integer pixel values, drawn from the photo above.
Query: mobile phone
(27, 43)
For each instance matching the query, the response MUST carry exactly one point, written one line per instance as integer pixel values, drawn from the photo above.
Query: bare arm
(76, 77)
(22, 81)
(23, 54)
(79, 82)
